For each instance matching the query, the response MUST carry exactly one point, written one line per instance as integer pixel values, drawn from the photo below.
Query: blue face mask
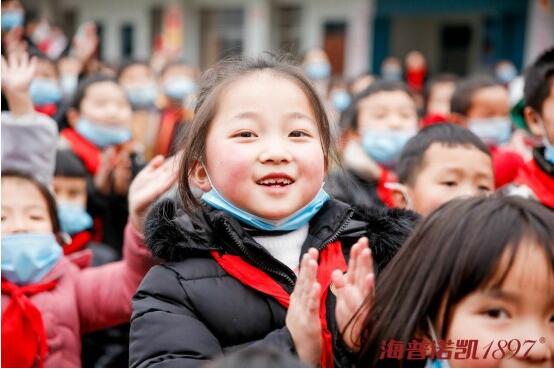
(384, 146)
(391, 74)
(28, 257)
(548, 151)
(492, 131)
(179, 88)
(506, 73)
(69, 84)
(11, 19)
(102, 135)
(341, 100)
(142, 97)
(73, 218)
(290, 223)
(45, 91)
(318, 71)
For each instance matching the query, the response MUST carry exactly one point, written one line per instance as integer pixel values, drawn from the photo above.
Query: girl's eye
(497, 313)
(298, 134)
(36, 217)
(449, 183)
(245, 134)
(484, 188)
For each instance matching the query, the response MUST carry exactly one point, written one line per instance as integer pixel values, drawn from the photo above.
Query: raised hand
(151, 182)
(352, 290)
(17, 72)
(302, 318)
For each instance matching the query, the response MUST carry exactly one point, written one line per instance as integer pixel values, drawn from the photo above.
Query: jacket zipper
(274, 271)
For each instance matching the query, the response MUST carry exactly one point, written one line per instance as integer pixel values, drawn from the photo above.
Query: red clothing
(506, 165)
(385, 194)
(85, 150)
(540, 182)
(85, 299)
(48, 109)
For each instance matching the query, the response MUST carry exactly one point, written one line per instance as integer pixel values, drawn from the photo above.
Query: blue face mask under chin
(142, 97)
(74, 218)
(28, 257)
(290, 223)
(384, 146)
(12, 18)
(493, 131)
(102, 135)
(44, 91)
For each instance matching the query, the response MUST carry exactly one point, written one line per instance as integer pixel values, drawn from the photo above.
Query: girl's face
(521, 309)
(47, 70)
(24, 209)
(106, 102)
(263, 150)
(137, 75)
(387, 110)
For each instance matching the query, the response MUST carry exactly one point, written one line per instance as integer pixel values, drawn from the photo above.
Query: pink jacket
(88, 299)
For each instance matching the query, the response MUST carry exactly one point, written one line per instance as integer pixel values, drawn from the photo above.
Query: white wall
(540, 30)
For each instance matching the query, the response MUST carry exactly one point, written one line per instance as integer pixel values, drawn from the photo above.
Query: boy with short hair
(440, 163)
(538, 174)
(482, 105)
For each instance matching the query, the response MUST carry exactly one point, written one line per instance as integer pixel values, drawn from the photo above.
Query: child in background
(259, 155)
(70, 189)
(444, 286)
(379, 123)
(483, 106)
(538, 174)
(139, 82)
(48, 301)
(45, 87)
(178, 81)
(441, 163)
(437, 94)
(100, 136)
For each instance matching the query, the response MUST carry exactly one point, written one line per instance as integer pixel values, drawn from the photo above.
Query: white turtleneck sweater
(286, 247)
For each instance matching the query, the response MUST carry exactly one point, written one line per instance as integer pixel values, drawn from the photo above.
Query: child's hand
(17, 73)
(352, 289)
(122, 173)
(303, 314)
(102, 176)
(85, 42)
(151, 182)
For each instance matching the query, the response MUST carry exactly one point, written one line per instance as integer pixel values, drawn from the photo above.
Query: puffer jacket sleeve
(104, 293)
(166, 331)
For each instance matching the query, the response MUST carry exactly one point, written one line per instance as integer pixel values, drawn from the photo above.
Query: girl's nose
(275, 152)
(18, 225)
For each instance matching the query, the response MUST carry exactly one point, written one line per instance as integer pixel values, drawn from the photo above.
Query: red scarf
(78, 242)
(48, 109)
(385, 194)
(540, 182)
(330, 259)
(85, 150)
(23, 334)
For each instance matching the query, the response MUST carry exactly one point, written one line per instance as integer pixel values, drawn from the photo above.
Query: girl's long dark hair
(452, 253)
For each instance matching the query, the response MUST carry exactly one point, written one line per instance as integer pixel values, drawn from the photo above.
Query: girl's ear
(72, 117)
(399, 197)
(533, 121)
(199, 177)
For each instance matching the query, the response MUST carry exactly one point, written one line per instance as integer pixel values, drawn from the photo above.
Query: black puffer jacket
(189, 309)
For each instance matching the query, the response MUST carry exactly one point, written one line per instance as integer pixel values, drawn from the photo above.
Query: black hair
(438, 79)
(411, 158)
(257, 357)
(69, 165)
(456, 250)
(85, 84)
(44, 191)
(460, 102)
(129, 63)
(349, 119)
(538, 80)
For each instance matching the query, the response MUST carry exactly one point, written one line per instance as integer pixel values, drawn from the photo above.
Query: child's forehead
(69, 181)
(102, 89)
(440, 155)
(490, 95)
(385, 98)
(530, 269)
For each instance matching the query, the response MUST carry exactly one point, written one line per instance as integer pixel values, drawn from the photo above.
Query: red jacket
(539, 181)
